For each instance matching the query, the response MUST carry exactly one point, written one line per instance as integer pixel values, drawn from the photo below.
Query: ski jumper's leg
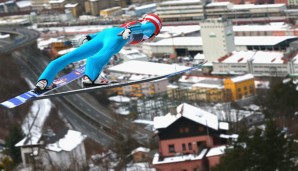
(88, 49)
(112, 44)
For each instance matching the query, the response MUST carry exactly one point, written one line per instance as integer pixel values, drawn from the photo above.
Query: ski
(23, 98)
(114, 85)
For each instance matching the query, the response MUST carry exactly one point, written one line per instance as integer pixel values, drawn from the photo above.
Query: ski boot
(101, 80)
(41, 87)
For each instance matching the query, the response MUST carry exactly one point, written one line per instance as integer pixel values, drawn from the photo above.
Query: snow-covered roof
(179, 158)
(65, 51)
(233, 136)
(71, 5)
(56, 1)
(216, 151)
(267, 27)
(239, 41)
(140, 121)
(242, 78)
(224, 125)
(256, 56)
(172, 86)
(203, 82)
(180, 2)
(179, 41)
(24, 4)
(206, 85)
(146, 68)
(219, 4)
(70, 141)
(260, 40)
(253, 6)
(190, 112)
(119, 99)
(168, 31)
(140, 149)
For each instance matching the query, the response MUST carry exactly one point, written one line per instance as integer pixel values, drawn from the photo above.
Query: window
(171, 148)
(189, 146)
(183, 147)
(239, 89)
(201, 129)
(183, 129)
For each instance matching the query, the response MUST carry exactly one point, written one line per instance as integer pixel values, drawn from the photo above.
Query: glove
(81, 41)
(125, 34)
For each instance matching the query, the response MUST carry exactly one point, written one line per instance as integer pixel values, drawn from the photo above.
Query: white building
(180, 10)
(218, 38)
(259, 63)
(194, 44)
(64, 150)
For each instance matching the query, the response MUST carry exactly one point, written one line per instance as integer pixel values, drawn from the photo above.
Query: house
(140, 154)
(240, 86)
(64, 150)
(199, 88)
(190, 140)
(212, 89)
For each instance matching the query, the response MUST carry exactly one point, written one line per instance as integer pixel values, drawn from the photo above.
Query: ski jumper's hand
(84, 40)
(125, 33)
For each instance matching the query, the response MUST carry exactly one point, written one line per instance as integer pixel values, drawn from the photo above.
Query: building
(189, 140)
(8, 7)
(110, 12)
(24, 6)
(241, 86)
(140, 154)
(193, 45)
(217, 33)
(180, 10)
(258, 63)
(93, 7)
(196, 10)
(239, 1)
(212, 89)
(39, 4)
(136, 70)
(138, 11)
(199, 89)
(57, 3)
(64, 150)
(74, 9)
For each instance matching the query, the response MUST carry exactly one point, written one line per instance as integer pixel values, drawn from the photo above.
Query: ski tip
(8, 104)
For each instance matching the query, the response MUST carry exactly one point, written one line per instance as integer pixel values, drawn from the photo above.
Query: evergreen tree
(260, 150)
(15, 135)
(281, 99)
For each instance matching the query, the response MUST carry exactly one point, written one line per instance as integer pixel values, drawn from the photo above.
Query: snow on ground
(36, 117)
(122, 110)
(139, 167)
(119, 99)
(140, 121)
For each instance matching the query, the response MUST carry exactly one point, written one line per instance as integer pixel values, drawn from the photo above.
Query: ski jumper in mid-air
(98, 49)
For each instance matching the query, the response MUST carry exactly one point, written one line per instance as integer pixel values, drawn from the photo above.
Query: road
(82, 111)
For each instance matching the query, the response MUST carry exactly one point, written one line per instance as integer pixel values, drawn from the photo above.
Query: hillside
(12, 83)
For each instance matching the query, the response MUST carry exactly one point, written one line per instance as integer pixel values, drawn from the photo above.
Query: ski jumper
(100, 48)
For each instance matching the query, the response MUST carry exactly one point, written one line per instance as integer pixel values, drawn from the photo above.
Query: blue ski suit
(99, 49)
